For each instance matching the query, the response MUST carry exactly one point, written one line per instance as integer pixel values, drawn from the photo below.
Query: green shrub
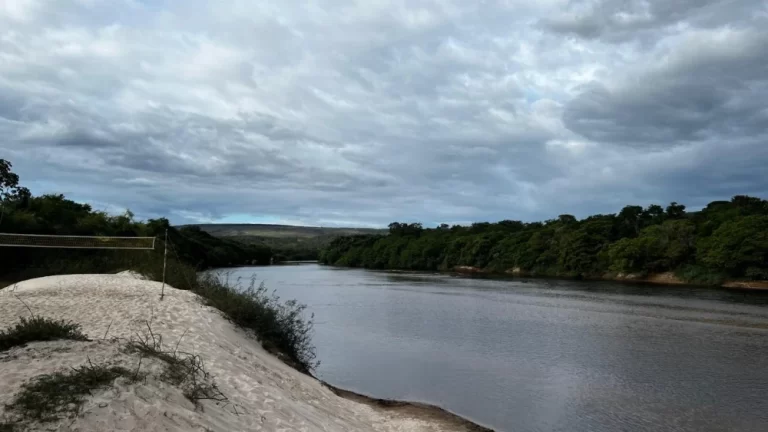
(696, 274)
(39, 329)
(280, 326)
(757, 273)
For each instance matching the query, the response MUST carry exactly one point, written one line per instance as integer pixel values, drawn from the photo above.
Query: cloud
(621, 21)
(367, 112)
(708, 83)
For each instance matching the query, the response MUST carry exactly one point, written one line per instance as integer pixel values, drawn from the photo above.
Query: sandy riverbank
(666, 278)
(263, 393)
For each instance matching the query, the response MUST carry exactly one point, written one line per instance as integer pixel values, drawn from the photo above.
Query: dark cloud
(336, 113)
(713, 87)
(87, 140)
(632, 20)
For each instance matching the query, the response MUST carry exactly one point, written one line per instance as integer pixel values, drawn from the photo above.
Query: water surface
(540, 355)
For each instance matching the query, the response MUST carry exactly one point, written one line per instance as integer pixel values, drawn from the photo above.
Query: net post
(165, 262)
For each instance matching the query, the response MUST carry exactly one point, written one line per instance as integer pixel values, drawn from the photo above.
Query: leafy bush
(737, 245)
(39, 329)
(280, 327)
(699, 275)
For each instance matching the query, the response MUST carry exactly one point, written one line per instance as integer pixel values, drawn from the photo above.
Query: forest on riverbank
(23, 213)
(725, 240)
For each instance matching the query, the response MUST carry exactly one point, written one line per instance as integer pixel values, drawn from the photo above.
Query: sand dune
(264, 394)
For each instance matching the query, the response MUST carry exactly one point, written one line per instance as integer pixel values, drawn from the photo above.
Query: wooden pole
(165, 263)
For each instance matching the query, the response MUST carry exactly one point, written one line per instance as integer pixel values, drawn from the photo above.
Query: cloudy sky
(332, 112)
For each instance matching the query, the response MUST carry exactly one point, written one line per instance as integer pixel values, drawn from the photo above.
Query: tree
(511, 225)
(405, 229)
(750, 205)
(655, 214)
(675, 211)
(629, 221)
(9, 182)
(737, 246)
(717, 240)
(658, 248)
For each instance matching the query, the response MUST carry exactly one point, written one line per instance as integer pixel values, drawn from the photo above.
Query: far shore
(666, 278)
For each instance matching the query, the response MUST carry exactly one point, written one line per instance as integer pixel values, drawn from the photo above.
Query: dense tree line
(725, 240)
(23, 213)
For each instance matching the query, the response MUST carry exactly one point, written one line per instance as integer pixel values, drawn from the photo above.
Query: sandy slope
(266, 394)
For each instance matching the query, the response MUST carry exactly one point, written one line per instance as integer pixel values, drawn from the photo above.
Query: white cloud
(370, 111)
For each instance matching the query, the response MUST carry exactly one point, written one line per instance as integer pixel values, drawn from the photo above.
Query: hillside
(287, 242)
(280, 231)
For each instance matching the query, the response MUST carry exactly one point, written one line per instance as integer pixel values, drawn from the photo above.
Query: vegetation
(61, 394)
(280, 326)
(183, 370)
(50, 397)
(39, 329)
(23, 213)
(727, 239)
(288, 243)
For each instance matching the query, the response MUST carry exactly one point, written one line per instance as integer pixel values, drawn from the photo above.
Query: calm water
(536, 355)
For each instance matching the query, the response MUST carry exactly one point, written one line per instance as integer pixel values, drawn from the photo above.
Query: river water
(540, 355)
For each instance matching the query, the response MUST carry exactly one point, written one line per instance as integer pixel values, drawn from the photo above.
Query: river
(540, 355)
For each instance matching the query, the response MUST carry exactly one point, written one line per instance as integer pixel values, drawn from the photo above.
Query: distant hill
(281, 231)
(288, 242)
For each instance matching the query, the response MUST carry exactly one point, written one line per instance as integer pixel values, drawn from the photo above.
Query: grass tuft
(61, 394)
(182, 369)
(37, 329)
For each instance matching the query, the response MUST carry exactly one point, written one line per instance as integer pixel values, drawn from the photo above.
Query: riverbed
(540, 355)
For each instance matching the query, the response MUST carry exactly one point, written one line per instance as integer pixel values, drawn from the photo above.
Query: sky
(360, 113)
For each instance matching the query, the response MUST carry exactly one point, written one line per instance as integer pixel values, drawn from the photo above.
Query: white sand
(267, 394)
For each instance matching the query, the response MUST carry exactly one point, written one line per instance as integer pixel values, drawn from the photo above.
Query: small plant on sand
(182, 369)
(39, 329)
(280, 326)
(61, 394)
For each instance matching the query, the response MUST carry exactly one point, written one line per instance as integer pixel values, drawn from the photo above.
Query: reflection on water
(541, 355)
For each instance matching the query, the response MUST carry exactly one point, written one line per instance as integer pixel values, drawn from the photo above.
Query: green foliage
(22, 213)
(61, 394)
(288, 243)
(657, 248)
(737, 246)
(727, 238)
(38, 329)
(280, 326)
(9, 182)
(699, 275)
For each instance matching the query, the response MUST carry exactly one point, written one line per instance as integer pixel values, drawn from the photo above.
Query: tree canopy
(23, 213)
(727, 239)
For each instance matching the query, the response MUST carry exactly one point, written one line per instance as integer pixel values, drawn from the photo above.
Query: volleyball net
(76, 242)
